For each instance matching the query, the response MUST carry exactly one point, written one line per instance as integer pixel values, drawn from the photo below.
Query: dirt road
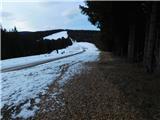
(110, 89)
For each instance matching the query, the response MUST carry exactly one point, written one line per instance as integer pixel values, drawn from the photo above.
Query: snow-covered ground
(23, 85)
(55, 36)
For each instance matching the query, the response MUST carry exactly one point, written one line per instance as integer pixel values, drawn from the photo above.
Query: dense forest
(128, 29)
(91, 36)
(19, 44)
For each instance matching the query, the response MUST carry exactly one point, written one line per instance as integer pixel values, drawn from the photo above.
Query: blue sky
(33, 15)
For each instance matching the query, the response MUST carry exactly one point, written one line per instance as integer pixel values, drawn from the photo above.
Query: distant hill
(26, 43)
(92, 36)
(39, 34)
(75, 34)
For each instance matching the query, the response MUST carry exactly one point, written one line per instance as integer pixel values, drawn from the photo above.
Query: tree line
(20, 44)
(128, 29)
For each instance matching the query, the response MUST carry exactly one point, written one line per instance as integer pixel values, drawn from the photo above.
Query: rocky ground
(109, 89)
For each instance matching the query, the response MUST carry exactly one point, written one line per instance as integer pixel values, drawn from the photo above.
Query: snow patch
(56, 36)
(26, 113)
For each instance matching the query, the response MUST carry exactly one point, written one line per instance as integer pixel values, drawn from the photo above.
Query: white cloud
(70, 13)
(6, 14)
(21, 25)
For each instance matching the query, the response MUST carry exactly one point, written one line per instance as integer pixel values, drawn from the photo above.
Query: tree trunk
(131, 42)
(157, 51)
(149, 56)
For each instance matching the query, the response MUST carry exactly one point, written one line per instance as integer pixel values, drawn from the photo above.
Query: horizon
(62, 31)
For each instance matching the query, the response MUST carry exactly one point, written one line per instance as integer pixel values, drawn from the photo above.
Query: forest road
(19, 67)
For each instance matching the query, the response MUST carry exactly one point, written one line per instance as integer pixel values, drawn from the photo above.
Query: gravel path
(110, 89)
